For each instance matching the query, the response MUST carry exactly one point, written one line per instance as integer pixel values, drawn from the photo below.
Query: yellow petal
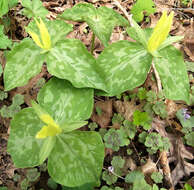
(45, 36)
(46, 118)
(47, 131)
(35, 38)
(160, 32)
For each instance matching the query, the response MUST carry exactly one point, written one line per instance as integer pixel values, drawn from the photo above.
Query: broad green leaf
(12, 3)
(141, 7)
(123, 66)
(4, 8)
(101, 20)
(173, 74)
(77, 158)
(64, 102)
(22, 145)
(70, 60)
(57, 29)
(23, 62)
(34, 8)
(4, 41)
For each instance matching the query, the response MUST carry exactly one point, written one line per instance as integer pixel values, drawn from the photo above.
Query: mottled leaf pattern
(23, 62)
(33, 8)
(70, 60)
(101, 20)
(123, 66)
(77, 158)
(57, 29)
(22, 145)
(173, 74)
(64, 102)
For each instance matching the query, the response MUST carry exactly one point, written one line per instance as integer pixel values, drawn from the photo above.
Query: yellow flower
(45, 42)
(160, 32)
(51, 128)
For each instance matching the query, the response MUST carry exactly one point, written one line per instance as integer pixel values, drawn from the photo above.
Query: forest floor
(175, 165)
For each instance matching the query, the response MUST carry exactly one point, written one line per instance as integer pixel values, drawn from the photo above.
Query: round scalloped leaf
(23, 62)
(22, 145)
(123, 66)
(70, 60)
(77, 158)
(173, 74)
(64, 102)
(57, 29)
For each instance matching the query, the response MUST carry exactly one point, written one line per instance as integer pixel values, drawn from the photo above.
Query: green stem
(93, 41)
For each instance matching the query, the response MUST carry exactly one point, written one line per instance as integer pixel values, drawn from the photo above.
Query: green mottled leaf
(123, 66)
(77, 158)
(70, 60)
(173, 74)
(101, 20)
(34, 8)
(4, 41)
(4, 8)
(64, 102)
(57, 29)
(22, 145)
(140, 7)
(23, 62)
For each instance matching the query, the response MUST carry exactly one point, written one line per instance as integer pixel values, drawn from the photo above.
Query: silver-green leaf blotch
(77, 158)
(173, 74)
(101, 20)
(123, 66)
(64, 102)
(70, 60)
(22, 145)
(23, 62)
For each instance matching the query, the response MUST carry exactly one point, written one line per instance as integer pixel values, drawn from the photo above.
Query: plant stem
(159, 84)
(93, 43)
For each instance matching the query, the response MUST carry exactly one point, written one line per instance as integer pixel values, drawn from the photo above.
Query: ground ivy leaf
(64, 102)
(23, 62)
(77, 158)
(34, 8)
(57, 29)
(123, 66)
(101, 20)
(173, 74)
(4, 41)
(70, 60)
(22, 145)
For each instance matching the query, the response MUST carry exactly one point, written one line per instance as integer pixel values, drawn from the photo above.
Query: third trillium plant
(47, 130)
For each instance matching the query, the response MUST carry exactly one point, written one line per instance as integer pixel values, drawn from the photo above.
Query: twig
(114, 174)
(116, 2)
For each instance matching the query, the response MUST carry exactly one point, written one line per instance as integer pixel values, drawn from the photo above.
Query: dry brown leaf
(126, 108)
(104, 118)
(183, 168)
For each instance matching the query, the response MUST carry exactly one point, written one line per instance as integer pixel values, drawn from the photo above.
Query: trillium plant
(47, 130)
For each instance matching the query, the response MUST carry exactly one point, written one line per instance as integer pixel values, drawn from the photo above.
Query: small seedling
(157, 177)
